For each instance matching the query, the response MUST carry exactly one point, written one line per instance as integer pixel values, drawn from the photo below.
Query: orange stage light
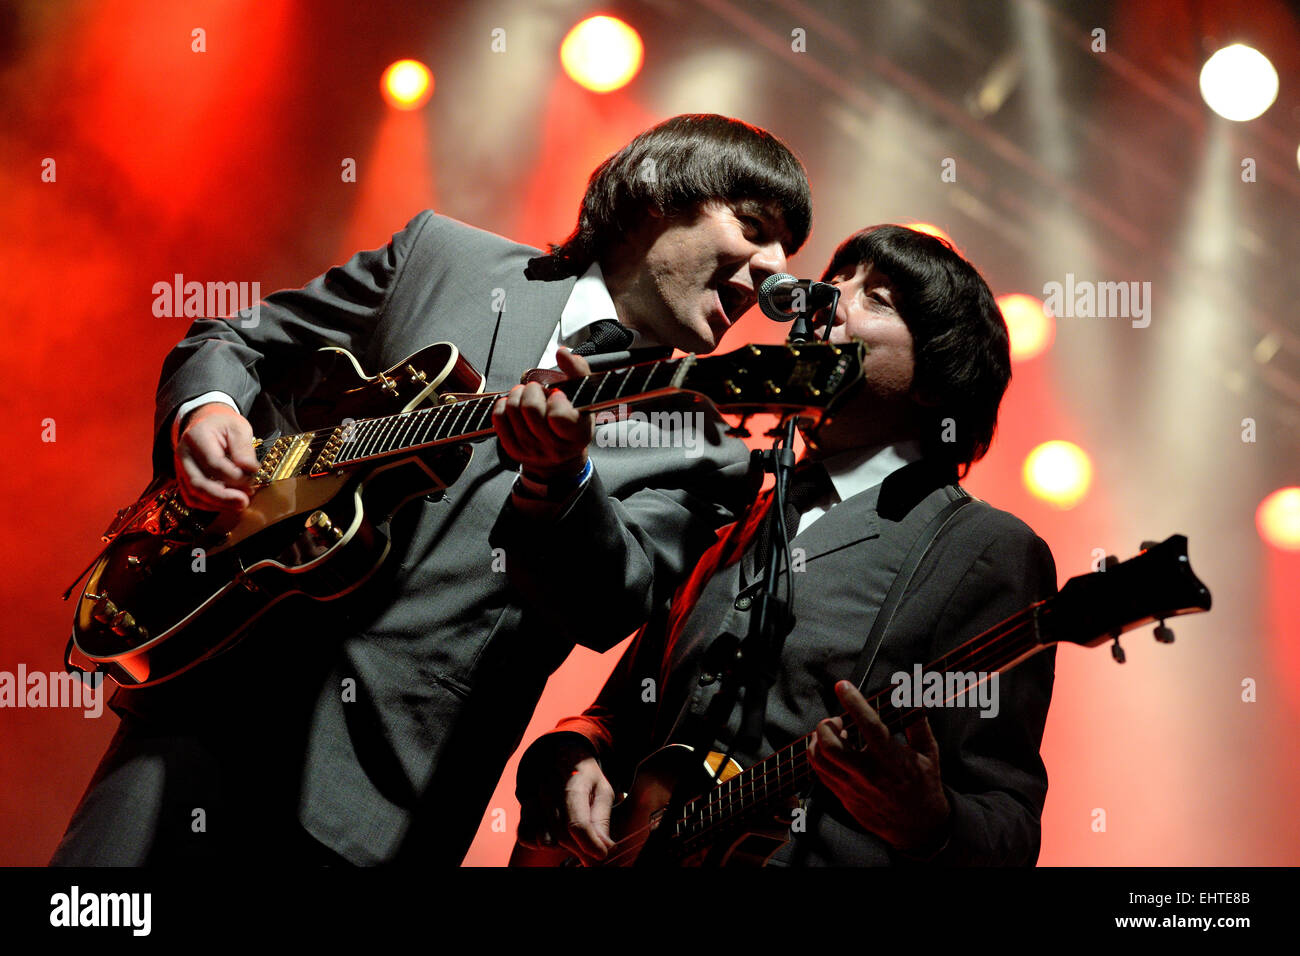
(1032, 327)
(930, 229)
(407, 85)
(1278, 519)
(1058, 472)
(602, 54)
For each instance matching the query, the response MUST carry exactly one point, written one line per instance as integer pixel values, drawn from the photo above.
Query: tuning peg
(1163, 634)
(1109, 562)
(1147, 545)
(1116, 651)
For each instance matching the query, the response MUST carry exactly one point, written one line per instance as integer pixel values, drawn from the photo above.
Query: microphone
(782, 297)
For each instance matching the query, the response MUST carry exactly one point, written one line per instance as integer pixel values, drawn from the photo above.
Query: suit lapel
(855, 520)
(529, 316)
(849, 522)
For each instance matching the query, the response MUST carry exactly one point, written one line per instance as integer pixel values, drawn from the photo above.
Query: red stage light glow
(1031, 326)
(1058, 472)
(930, 229)
(602, 54)
(1278, 519)
(407, 84)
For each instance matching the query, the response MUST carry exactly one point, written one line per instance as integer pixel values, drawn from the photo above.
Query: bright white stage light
(1238, 82)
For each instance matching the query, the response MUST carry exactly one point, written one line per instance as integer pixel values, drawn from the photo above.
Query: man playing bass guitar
(967, 784)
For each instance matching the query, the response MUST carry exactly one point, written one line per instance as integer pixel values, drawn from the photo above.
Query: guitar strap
(920, 548)
(885, 616)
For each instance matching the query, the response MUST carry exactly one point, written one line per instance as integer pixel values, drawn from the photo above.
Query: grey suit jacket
(412, 693)
(985, 567)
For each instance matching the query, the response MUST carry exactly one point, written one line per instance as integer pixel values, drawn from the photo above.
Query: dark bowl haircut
(673, 168)
(960, 345)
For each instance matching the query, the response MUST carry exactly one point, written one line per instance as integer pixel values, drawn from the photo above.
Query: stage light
(1059, 473)
(601, 54)
(1031, 326)
(1278, 519)
(1238, 82)
(931, 230)
(407, 85)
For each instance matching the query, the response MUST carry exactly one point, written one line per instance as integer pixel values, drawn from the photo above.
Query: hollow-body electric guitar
(743, 816)
(176, 585)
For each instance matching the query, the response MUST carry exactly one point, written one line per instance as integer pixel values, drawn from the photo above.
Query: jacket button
(743, 602)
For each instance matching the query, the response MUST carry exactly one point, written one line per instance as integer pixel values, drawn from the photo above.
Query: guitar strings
(792, 768)
(795, 766)
(371, 434)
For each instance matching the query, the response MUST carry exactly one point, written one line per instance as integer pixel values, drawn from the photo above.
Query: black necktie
(808, 484)
(605, 335)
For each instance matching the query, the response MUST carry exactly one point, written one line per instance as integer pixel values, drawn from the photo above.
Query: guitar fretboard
(469, 418)
(767, 785)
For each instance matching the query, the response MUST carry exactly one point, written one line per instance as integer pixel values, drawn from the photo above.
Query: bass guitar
(742, 817)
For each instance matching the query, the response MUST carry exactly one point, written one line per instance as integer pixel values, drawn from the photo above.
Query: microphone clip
(783, 298)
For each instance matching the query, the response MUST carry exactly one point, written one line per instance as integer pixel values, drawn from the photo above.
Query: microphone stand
(772, 619)
(750, 667)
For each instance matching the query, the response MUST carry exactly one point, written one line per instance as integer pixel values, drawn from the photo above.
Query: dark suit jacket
(986, 566)
(410, 695)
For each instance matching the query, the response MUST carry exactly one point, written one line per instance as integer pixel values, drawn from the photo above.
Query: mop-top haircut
(674, 168)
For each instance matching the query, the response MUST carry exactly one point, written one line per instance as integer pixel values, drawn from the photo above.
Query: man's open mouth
(735, 301)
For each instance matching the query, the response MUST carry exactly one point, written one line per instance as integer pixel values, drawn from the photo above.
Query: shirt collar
(590, 302)
(854, 471)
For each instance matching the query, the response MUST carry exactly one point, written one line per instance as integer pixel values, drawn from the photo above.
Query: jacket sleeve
(237, 355)
(613, 558)
(993, 773)
(619, 724)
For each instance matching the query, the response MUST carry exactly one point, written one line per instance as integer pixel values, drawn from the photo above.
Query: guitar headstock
(1155, 585)
(808, 376)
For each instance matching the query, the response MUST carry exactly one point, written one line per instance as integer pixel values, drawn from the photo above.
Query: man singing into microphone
(963, 786)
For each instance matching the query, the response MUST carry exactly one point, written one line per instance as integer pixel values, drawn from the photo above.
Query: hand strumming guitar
(214, 458)
(566, 801)
(893, 790)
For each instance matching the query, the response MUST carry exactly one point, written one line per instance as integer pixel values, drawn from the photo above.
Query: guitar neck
(807, 378)
(633, 383)
(470, 418)
(788, 772)
(1089, 611)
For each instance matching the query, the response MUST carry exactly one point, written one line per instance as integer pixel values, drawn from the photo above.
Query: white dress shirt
(857, 470)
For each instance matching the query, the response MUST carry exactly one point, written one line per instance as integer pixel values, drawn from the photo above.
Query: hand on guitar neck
(214, 458)
(893, 790)
(543, 431)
